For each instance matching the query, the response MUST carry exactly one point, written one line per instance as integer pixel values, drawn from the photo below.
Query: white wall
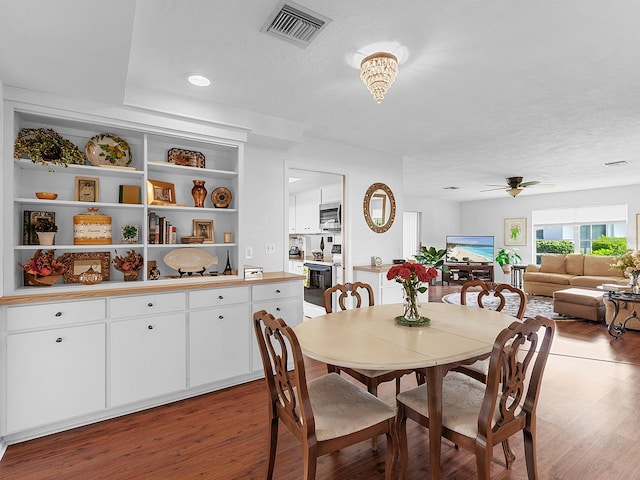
(439, 218)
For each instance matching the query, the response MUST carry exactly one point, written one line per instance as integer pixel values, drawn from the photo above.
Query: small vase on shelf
(199, 193)
(46, 238)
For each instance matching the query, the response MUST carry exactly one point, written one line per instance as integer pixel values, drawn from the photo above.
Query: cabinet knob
(220, 297)
(220, 317)
(149, 304)
(277, 290)
(58, 314)
(59, 340)
(150, 327)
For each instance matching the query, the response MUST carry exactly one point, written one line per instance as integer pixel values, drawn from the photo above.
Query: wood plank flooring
(588, 424)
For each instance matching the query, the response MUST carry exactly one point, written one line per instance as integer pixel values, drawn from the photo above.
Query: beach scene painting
(469, 249)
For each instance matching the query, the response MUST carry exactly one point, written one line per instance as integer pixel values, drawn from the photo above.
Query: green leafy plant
(46, 146)
(609, 246)
(431, 257)
(507, 257)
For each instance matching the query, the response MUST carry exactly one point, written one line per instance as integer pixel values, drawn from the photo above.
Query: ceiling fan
(515, 186)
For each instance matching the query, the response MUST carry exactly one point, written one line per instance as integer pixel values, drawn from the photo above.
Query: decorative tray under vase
(190, 260)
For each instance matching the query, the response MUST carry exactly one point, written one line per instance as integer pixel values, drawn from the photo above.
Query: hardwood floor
(587, 429)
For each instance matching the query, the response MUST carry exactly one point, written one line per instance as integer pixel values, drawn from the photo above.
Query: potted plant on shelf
(506, 258)
(46, 231)
(43, 269)
(431, 257)
(129, 264)
(46, 146)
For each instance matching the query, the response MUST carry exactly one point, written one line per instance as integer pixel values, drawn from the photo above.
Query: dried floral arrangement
(44, 145)
(44, 264)
(130, 262)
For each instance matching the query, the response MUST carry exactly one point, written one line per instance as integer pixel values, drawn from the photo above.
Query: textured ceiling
(546, 90)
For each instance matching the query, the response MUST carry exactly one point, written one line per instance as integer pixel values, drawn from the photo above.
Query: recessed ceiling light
(198, 80)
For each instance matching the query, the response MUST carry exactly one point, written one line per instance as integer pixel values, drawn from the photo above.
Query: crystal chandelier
(378, 71)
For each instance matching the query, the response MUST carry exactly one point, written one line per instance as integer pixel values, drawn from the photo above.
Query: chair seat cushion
(461, 401)
(341, 407)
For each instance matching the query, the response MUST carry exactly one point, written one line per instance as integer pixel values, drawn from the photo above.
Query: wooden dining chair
(488, 290)
(355, 291)
(325, 414)
(478, 416)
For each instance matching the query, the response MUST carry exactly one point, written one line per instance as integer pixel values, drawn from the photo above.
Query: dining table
(370, 338)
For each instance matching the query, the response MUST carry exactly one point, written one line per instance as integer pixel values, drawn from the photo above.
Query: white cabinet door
(54, 374)
(332, 193)
(289, 309)
(148, 357)
(219, 341)
(308, 211)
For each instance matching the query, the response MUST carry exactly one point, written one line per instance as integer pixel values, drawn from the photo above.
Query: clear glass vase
(411, 305)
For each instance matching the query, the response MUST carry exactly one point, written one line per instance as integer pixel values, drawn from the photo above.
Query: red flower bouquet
(412, 276)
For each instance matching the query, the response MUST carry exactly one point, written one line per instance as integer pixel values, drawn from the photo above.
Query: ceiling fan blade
(528, 184)
(543, 185)
(493, 189)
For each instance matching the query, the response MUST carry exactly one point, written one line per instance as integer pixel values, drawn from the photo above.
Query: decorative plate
(187, 158)
(221, 197)
(107, 149)
(189, 259)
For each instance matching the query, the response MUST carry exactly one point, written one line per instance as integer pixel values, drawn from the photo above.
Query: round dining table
(370, 338)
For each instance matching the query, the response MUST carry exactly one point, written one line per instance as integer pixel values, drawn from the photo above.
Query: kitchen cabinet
(296, 266)
(148, 357)
(219, 335)
(54, 374)
(307, 206)
(282, 300)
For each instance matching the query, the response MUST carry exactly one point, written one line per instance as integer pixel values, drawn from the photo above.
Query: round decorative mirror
(379, 207)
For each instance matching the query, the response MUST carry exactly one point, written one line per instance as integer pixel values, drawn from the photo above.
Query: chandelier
(378, 71)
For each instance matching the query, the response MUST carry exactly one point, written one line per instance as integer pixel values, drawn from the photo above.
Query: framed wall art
(160, 193)
(515, 231)
(87, 189)
(77, 263)
(204, 228)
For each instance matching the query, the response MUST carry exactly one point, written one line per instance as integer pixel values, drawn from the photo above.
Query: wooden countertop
(374, 269)
(81, 292)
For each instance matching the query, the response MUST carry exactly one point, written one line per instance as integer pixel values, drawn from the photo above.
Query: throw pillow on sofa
(552, 264)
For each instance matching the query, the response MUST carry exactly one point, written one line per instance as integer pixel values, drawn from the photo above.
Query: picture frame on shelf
(30, 218)
(515, 231)
(204, 228)
(79, 262)
(129, 233)
(87, 189)
(160, 193)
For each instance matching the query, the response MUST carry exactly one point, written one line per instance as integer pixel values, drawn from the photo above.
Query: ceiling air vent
(295, 24)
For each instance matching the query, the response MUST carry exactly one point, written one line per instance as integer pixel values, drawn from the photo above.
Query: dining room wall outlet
(270, 248)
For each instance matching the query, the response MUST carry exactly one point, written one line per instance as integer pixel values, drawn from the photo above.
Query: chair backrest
(517, 362)
(288, 394)
(488, 290)
(347, 290)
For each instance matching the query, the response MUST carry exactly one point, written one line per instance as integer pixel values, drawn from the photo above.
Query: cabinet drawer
(218, 296)
(54, 314)
(147, 304)
(271, 291)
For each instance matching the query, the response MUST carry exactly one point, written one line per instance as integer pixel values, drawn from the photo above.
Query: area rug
(535, 305)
